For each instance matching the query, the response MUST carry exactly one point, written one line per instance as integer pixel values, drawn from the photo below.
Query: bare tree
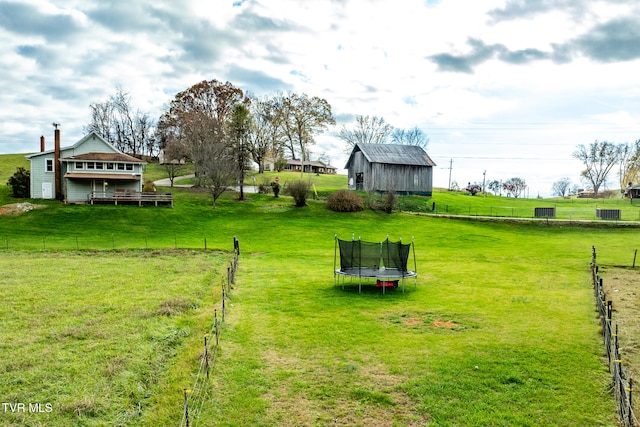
(561, 187)
(598, 159)
(366, 130)
(265, 133)
(119, 124)
(629, 164)
(301, 117)
(174, 155)
(514, 187)
(218, 169)
(494, 186)
(411, 136)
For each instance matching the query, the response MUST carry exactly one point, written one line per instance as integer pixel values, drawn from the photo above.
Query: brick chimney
(42, 143)
(56, 163)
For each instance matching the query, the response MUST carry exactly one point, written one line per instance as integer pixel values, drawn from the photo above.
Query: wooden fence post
(215, 326)
(223, 302)
(206, 355)
(186, 406)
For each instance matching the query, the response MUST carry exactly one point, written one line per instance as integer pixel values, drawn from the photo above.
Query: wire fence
(195, 398)
(622, 380)
(599, 213)
(114, 241)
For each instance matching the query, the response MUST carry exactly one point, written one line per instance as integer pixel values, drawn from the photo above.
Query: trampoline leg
(384, 285)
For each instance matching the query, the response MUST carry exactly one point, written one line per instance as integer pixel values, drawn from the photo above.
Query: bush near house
(345, 201)
(19, 182)
(299, 190)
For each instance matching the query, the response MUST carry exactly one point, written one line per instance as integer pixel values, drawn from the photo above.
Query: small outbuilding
(405, 169)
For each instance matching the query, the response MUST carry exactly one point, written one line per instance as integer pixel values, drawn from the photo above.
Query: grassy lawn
(98, 335)
(501, 330)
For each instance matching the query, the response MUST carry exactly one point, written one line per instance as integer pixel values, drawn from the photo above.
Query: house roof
(310, 162)
(394, 154)
(93, 134)
(105, 157)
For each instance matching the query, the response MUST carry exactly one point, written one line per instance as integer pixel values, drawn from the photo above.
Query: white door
(47, 190)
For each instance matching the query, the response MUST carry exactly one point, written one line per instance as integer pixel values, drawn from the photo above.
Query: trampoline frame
(376, 271)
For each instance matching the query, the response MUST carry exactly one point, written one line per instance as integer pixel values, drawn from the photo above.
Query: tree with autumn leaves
(220, 129)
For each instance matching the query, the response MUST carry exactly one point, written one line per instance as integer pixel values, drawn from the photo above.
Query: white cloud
(486, 80)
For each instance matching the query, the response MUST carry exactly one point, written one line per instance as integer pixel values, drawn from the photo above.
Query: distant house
(90, 169)
(633, 191)
(406, 169)
(295, 165)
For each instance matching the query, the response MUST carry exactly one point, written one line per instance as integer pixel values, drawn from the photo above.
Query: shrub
(20, 183)
(148, 186)
(389, 201)
(345, 201)
(386, 202)
(265, 186)
(299, 190)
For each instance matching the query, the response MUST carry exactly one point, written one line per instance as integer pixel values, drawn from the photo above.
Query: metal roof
(110, 157)
(394, 154)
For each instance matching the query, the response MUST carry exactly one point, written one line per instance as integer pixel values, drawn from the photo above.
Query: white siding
(39, 174)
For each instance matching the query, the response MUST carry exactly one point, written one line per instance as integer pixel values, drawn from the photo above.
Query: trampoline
(384, 261)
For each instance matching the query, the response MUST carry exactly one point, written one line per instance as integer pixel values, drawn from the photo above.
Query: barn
(405, 169)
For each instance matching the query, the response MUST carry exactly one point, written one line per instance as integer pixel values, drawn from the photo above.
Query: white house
(91, 168)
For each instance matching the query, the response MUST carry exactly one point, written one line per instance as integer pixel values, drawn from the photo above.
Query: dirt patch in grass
(445, 324)
(426, 320)
(622, 286)
(354, 393)
(18, 208)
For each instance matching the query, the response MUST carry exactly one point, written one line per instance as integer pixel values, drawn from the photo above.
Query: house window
(91, 165)
(99, 165)
(129, 167)
(49, 166)
(110, 166)
(120, 166)
(79, 165)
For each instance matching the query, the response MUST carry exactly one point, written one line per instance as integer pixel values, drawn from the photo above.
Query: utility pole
(484, 178)
(450, 167)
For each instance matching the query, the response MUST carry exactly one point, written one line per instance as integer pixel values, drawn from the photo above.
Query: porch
(131, 197)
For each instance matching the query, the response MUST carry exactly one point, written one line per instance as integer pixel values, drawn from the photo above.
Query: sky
(502, 88)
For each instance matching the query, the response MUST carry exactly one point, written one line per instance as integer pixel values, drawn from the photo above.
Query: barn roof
(393, 154)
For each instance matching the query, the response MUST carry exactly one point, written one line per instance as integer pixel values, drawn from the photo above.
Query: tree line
(221, 130)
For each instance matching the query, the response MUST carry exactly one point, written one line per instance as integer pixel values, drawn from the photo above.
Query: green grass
(96, 334)
(500, 331)
(9, 163)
